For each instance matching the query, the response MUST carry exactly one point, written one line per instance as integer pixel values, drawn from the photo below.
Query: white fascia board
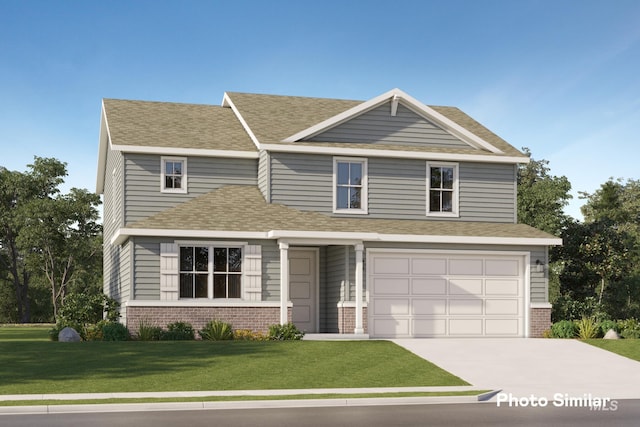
(286, 235)
(176, 151)
(227, 102)
(103, 148)
(124, 233)
(411, 238)
(366, 152)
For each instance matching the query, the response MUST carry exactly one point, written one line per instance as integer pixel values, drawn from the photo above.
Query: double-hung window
(350, 185)
(442, 189)
(210, 272)
(174, 175)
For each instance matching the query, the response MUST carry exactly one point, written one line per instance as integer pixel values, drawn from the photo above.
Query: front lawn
(33, 366)
(629, 348)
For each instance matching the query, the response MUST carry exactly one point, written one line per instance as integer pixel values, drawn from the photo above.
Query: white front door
(303, 288)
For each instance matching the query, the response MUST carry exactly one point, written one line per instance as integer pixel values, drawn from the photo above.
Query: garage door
(445, 295)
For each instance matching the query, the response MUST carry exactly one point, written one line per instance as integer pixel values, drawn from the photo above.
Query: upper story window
(442, 189)
(350, 185)
(210, 272)
(174, 175)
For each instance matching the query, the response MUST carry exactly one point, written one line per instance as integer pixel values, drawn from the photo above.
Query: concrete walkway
(539, 367)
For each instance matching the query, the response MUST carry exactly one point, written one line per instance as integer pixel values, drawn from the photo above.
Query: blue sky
(558, 76)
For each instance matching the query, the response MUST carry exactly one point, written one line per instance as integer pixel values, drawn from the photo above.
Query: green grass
(30, 364)
(629, 348)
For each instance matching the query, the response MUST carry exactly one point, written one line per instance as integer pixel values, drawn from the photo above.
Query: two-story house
(386, 217)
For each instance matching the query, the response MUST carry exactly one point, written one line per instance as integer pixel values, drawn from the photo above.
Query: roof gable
(394, 98)
(391, 123)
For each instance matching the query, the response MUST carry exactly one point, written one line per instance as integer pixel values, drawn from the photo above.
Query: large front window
(350, 192)
(210, 272)
(442, 189)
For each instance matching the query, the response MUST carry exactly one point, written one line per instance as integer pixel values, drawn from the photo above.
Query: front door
(303, 288)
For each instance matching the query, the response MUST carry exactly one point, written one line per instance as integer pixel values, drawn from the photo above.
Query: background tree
(542, 197)
(46, 238)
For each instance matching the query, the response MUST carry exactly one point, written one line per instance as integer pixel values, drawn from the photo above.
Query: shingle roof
(243, 209)
(273, 118)
(174, 125)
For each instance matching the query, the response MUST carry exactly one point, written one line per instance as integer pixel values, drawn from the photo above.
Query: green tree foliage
(47, 239)
(600, 256)
(542, 196)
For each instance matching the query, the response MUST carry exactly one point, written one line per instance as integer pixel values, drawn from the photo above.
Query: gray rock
(611, 335)
(69, 335)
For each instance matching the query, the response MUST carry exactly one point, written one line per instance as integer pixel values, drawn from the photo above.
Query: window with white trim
(442, 189)
(210, 272)
(350, 185)
(174, 175)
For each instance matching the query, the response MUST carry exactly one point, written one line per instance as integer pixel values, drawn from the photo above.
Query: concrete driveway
(538, 367)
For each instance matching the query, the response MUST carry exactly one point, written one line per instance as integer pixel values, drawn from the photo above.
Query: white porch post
(359, 288)
(284, 282)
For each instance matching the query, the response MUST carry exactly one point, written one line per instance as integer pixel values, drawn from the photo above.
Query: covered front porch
(322, 287)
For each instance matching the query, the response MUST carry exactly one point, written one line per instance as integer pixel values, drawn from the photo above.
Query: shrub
(285, 332)
(248, 335)
(547, 333)
(563, 329)
(217, 330)
(94, 332)
(148, 332)
(605, 325)
(178, 331)
(629, 328)
(587, 328)
(55, 331)
(114, 331)
(80, 311)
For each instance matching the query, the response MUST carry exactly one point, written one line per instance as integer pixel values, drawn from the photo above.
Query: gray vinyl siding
(147, 268)
(487, 192)
(302, 181)
(264, 178)
(396, 187)
(538, 281)
(377, 126)
(143, 197)
(335, 274)
(270, 269)
(116, 259)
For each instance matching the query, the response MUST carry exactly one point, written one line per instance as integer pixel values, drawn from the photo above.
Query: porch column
(359, 288)
(284, 282)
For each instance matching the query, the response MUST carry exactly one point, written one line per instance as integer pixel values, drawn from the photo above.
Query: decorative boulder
(69, 335)
(611, 335)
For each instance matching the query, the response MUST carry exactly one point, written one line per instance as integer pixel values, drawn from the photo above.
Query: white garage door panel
(502, 287)
(391, 286)
(428, 266)
(429, 327)
(429, 294)
(465, 286)
(435, 286)
(428, 307)
(502, 306)
(465, 306)
(390, 306)
(391, 265)
(502, 267)
(466, 327)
